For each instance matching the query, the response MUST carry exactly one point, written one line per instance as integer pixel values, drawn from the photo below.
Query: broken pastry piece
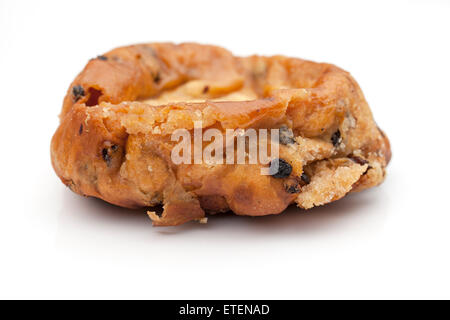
(115, 138)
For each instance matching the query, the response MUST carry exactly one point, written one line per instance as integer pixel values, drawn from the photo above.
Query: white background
(388, 242)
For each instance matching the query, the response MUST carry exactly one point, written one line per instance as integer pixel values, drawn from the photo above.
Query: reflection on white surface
(92, 226)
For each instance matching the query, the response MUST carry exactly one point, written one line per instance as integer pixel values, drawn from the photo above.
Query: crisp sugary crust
(114, 142)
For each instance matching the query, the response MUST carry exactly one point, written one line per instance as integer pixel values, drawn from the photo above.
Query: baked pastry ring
(114, 138)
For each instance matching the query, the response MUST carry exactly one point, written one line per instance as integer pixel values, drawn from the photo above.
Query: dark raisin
(114, 147)
(359, 160)
(103, 58)
(158, 210)
(106, 156)
(280, 168)
(305, 178)
(77, 92)
(286, 135)
(336, 138)
(205, 89)
(292, 188)
(367, 170)
(157, 77)
(80, 131)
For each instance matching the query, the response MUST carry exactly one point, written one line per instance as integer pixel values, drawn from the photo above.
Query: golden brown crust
(114, 143)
